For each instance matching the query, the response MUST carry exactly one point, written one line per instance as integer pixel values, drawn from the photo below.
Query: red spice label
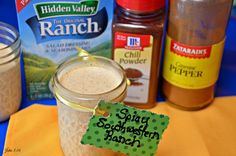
(20, 4)
(134, 53)
(190, 51)
(131, 41)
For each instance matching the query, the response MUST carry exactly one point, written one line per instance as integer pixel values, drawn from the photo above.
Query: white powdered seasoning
(10, 84)
(73, 123)
(90, 80)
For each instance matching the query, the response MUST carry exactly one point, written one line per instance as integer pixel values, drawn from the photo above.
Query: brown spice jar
(128, 20)
(196, 23)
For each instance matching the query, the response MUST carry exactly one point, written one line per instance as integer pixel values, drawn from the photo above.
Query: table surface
(226, 84)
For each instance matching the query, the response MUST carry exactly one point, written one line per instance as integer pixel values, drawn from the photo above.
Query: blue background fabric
(226, 85)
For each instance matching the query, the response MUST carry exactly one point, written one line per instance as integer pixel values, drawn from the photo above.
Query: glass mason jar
(75, 108)
(10, 75)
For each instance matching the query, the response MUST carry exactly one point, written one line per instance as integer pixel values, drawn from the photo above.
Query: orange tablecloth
(209, 132)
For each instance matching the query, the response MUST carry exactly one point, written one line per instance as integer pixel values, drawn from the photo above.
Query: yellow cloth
(33, 132)
(209, 132)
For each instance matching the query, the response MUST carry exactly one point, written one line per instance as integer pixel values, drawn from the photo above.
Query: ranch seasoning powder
(51, 31)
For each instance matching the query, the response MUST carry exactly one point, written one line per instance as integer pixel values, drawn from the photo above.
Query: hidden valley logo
(68, 20)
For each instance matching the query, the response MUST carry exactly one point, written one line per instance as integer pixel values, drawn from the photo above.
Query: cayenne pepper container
(194, 48)
(137, 38)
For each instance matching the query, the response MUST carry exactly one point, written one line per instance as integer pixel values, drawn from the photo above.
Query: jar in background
(137, 38)
(194, 48)
(10, 75)
(78, 85)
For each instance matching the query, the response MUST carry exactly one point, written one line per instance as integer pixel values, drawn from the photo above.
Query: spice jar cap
(141, 5)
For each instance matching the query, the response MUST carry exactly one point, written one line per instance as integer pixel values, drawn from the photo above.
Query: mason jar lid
(9, 43)
(82, 101)
(141, 5)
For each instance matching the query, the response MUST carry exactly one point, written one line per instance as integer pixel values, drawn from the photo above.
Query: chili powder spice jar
(194, 48)
(137, 38)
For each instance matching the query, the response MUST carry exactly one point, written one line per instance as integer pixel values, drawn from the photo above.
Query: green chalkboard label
(125, 129)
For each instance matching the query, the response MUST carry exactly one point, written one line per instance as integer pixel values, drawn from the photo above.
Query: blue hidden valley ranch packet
(50, 32)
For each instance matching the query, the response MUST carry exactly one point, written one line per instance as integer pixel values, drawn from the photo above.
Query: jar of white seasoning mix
(78, 85)
(10, 75)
